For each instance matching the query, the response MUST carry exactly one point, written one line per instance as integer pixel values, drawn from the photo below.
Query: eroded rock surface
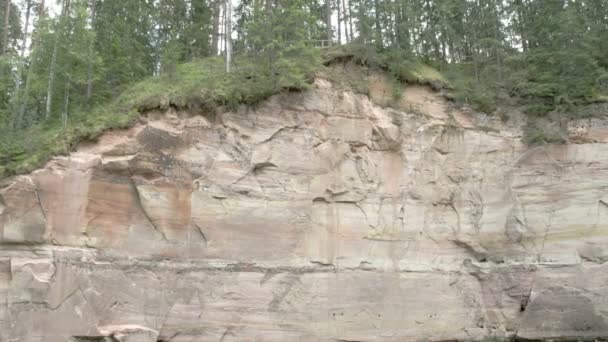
(317, 216)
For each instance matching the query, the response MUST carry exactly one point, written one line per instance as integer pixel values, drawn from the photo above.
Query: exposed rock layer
(318, 216)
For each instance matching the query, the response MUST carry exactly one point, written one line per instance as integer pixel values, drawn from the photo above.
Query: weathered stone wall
(317, 216)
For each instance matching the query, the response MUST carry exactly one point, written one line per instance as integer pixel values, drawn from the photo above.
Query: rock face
(317, 216)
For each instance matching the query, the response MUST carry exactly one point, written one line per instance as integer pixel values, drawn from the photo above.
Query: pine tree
(328, 24)
(60, 31)
(228, 35)
(6, 26)
(92, 5)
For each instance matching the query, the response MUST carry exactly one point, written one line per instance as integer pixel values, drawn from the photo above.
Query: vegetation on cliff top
(201, 86)
(88, 65)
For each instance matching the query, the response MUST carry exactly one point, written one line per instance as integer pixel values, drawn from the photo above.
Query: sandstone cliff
(317, 216)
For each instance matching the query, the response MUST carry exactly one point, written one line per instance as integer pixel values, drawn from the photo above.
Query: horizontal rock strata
(317, 216)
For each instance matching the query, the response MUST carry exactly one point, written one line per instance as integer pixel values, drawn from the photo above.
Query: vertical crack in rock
(401, 217)
(458, 223)
(525, 300)
(201, 232)
(268, 275)
(358, 205)
(479, 208)
(516, 226)
(145, 212)
(601, 203)
(228, 332)
(42, 210)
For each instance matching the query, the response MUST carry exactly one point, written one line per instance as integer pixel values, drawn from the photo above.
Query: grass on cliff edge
(395, 63)
(201, 85)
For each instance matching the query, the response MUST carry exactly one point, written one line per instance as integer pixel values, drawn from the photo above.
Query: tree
(198, 40)
(22, 100)
(127, 44)
(216, 26)
(6, 25)
(58, 35)
(91, 54)
(345, 17)
(328, 25)
(228, 34)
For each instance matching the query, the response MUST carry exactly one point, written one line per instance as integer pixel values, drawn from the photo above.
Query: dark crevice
(525, 301)
(261, 166)
(201, 232)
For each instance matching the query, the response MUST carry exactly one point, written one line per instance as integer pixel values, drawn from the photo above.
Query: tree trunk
(49, 89)
(379, 40)
(328, 20)
(18, 79)
(23, 47)
(228, 34)
(406, 30)
(350, 21)
(474, 56)
(30, 72)
(215, 35)
(66, 102)
(521, 25)
(362, 25)
(398, 23)
(51, 84)
(497, 41)
(91, 50)
(270, 52)
(223, 30)
(6, 26)
(339, 22)
(344, 14)
(26, 28)
(393, 12)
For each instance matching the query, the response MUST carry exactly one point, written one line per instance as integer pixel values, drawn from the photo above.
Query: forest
(71, 68)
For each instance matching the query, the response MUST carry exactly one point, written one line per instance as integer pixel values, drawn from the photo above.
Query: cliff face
(317, 216)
